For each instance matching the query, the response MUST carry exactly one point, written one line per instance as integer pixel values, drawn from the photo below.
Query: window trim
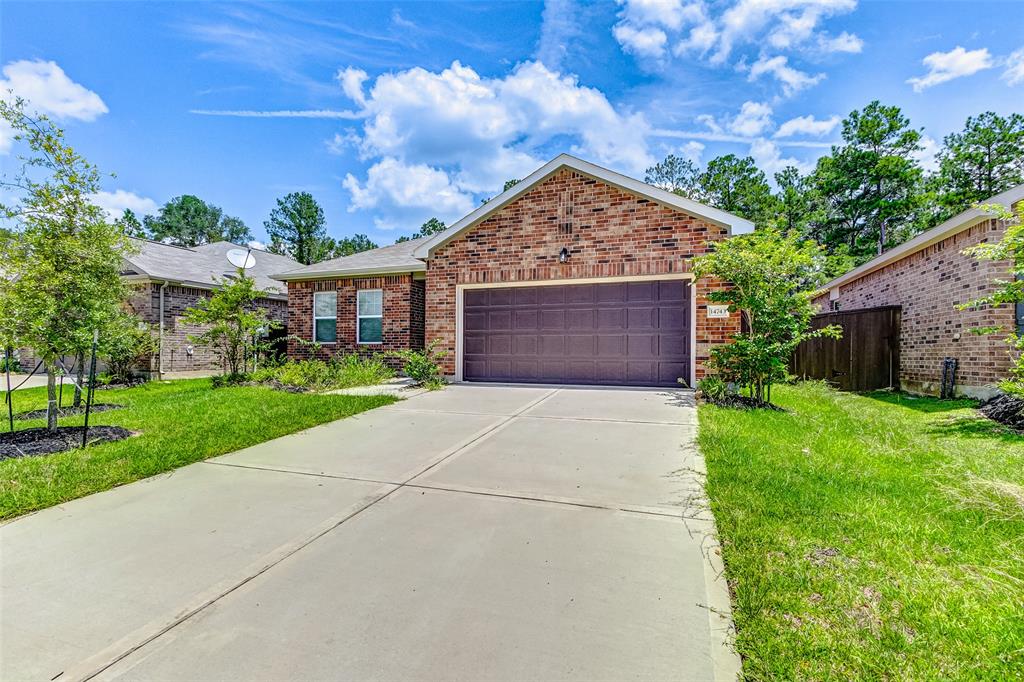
(360, 316)
(335, 318)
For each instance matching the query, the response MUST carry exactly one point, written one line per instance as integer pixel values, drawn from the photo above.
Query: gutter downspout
(160, 356)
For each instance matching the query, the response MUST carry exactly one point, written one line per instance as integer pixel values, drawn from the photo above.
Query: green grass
(870, 536)
(179, 422)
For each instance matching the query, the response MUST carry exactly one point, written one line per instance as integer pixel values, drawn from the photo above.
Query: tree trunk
(51, 397)
(79, 376)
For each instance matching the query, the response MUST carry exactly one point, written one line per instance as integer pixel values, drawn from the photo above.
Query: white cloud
(784, 23)
(114, 203)
(844, 42)
(710, 122)
(404, 195)
(351, 80)
(1014, 63)
(480, 132)
(792, 80)
(692, 151)
(807, 125)
(49, 90)
(752, 120)
(945, 66)
(286, 113)
(560, 26)
(769, 158)
(927, 155)
(648, 41)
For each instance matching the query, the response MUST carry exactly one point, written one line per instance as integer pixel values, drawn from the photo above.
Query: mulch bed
(742, 402)
(32, 442)
(130, 384)
(1005, 409)
(68, 411)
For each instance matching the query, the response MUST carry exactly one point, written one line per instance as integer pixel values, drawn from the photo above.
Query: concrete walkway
(480, 532)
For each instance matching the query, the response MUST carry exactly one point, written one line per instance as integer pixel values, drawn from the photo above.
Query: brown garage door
(621, 333)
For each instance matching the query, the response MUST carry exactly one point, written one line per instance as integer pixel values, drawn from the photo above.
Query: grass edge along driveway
(180, 422)
(870, 536)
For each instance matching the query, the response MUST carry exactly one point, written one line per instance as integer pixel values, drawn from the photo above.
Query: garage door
(621, 333)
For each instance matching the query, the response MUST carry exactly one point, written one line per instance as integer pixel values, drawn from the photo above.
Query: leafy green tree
(795, 198)
(189, 221)
(509, 184)
(1009, 290)
(675, 174)
(738, 186)
(130, 224)
(986, 158)
(62, 261)
(870, 187)
(233, 324)
(432, 226)
(348, 246)
(127, 342)
(772, 278)
(296, 229)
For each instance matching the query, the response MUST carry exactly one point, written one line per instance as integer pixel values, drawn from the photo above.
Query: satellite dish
(241, 258)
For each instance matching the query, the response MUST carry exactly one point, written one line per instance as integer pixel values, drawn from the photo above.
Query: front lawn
(180, 422)
(870, 536)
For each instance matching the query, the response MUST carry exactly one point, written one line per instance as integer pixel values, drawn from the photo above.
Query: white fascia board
(957, 223)
(733, 223)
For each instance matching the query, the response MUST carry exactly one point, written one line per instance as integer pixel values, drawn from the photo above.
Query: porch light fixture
(563, 255)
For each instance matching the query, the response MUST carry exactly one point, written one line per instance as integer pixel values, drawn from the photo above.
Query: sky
(392, 113)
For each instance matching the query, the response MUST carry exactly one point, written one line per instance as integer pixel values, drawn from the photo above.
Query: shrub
(713, 389)
(126, 342)
(319, 375)
(10, 363)
(422, 365)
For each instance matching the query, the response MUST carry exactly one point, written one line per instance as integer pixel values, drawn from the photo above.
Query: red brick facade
(608, 232)
(402, 315)
(928, 284)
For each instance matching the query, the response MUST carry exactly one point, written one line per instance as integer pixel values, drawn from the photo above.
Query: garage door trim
(460, 297)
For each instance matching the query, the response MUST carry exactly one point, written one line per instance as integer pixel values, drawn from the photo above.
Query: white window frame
(360, 316)
(326, 317)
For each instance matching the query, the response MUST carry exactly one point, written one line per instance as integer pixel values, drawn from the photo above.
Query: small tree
(1008, 291)
(770, 280)
(61, 265)
(234, 323)
(127, 342)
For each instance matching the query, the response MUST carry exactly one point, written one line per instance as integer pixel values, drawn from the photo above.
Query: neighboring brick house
(928, 276)
(172, 279)
(576, 274)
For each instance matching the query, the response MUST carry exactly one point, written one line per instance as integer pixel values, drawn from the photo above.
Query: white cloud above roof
(792, 80)
(1014, 67)
(752, 120)
(807, 125)
(114, 203)
(946, 66)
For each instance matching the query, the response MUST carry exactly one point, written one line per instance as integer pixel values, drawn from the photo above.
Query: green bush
(12, 364)
(422, 365)
(712, 389)
(319, 375)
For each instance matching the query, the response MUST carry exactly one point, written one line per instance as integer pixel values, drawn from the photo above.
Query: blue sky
(389, 113)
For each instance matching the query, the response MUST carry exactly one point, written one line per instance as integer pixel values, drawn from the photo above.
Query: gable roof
(379, 261)
(957, 223)
(200, 266)
(733, 223)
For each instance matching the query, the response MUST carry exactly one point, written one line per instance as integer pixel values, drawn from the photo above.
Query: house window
(325, 316)
(369, 315)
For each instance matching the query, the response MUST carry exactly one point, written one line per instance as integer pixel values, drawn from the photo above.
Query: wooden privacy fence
(867, 358)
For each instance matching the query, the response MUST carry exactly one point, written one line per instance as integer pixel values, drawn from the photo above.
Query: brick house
(576, 274)
(927, 277)
(168, 280)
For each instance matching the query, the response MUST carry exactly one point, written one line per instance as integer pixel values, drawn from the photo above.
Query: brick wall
(928, 285)
(400, 324)
(609, 233)
(145, 302)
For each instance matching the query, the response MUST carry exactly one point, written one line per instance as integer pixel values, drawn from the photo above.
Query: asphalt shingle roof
(200, 266)
(394, 258)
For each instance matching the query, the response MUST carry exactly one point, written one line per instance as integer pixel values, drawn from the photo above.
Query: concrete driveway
(480, 532)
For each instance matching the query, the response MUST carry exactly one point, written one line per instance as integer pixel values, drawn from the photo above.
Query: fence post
(92, 381)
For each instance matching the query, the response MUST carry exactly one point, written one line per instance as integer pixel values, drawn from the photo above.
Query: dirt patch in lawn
(67, 411)
(33, 442)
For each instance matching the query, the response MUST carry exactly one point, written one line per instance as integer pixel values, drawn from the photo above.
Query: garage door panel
(576, 320)
(632, 333)
(552, 320)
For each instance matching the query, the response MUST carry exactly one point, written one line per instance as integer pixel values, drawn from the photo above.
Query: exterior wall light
(563, 255)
